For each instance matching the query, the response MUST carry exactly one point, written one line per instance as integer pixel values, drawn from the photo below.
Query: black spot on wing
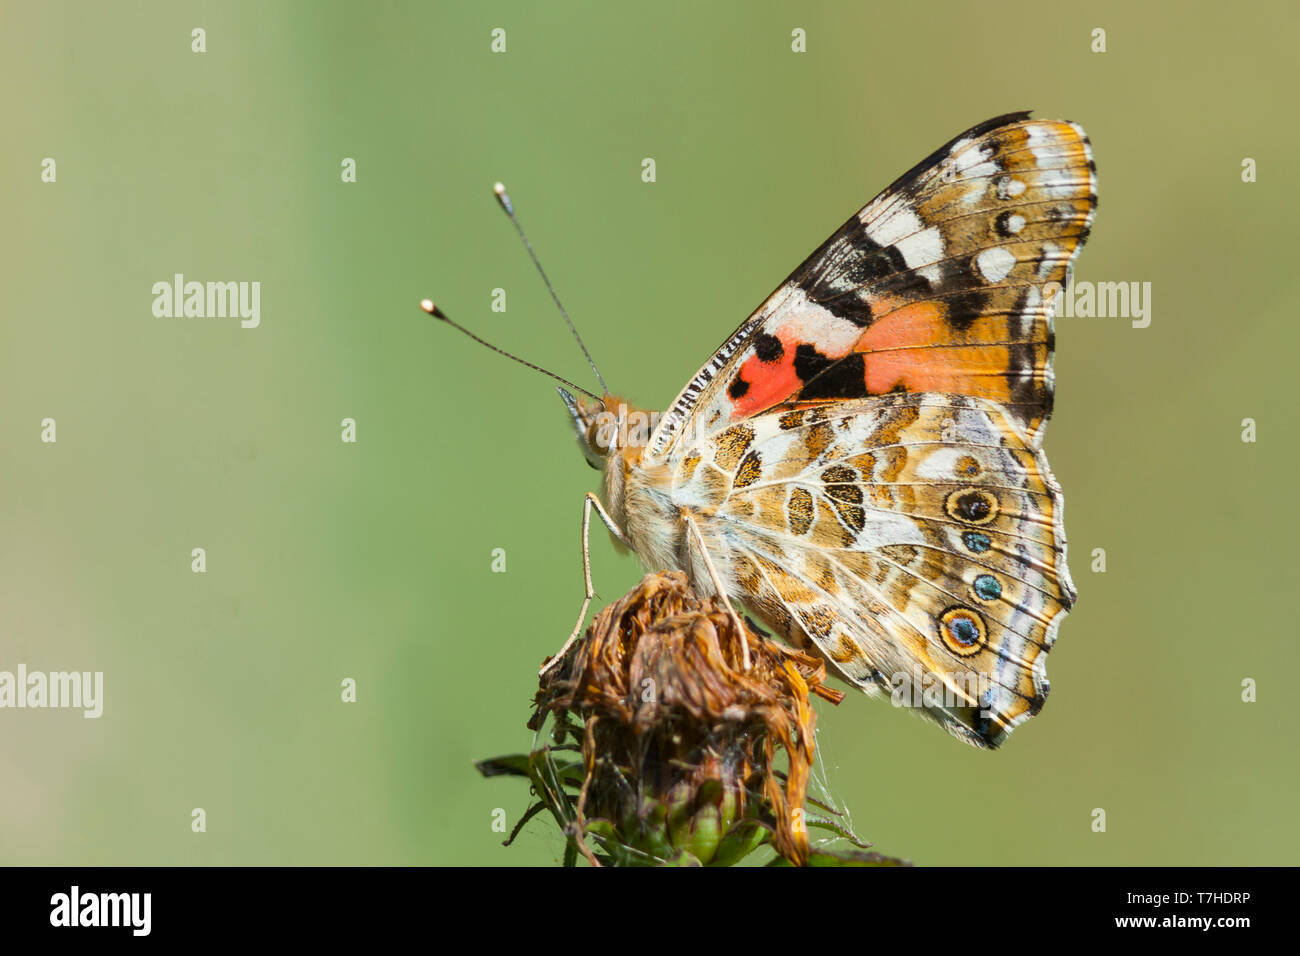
(871, 263)
(768, 348)
(1024, 377)
(851, 269)
(809, 363)
(825, 377)
(965, 307)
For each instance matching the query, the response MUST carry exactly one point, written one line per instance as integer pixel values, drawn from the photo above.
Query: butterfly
(860, 463)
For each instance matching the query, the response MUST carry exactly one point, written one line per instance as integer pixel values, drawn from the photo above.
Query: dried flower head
(680, 744)
(657, 745)
(682, 755)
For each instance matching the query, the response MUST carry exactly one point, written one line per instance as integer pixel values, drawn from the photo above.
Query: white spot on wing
(922, 249)
(972, 162)
(884, 528)
(1033, 300)
(1008, 188)
(1060, 183)
(1038, 133)
(1051, 256)
(893, 227)
(806, 321)
(995, 264)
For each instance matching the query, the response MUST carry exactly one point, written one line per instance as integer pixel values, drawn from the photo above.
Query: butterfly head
(607, 426)
(590, 422)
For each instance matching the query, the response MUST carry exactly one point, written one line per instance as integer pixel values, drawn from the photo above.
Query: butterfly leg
(590, 502)
(722, 592)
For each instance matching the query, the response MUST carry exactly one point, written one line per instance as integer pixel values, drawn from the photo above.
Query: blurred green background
(372, 560)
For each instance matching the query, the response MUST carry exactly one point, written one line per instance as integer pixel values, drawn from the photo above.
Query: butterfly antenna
(428, 306)
(509, 207)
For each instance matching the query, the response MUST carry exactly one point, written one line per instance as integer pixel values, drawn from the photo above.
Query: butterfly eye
(601, 434)
(962, 631)
(598, 440)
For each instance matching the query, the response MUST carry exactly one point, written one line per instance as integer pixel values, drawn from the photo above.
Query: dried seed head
(679, 743)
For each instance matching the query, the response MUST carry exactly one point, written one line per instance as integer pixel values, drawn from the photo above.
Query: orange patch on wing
(900, 350)
(978, 370)
(770, 383)
(921, 323)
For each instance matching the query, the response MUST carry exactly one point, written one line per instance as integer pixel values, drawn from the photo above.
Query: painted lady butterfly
(861, 463)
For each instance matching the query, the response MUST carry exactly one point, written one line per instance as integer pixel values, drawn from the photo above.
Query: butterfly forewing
(943, 283)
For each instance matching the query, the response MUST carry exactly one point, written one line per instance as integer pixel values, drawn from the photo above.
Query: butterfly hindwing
(943, 283)
(914, 539)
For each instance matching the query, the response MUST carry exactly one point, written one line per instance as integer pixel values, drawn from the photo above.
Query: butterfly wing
(915, 539)
(943, 283)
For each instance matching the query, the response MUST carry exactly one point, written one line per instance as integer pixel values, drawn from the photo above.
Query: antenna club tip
(428, 306)
(500, 191)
